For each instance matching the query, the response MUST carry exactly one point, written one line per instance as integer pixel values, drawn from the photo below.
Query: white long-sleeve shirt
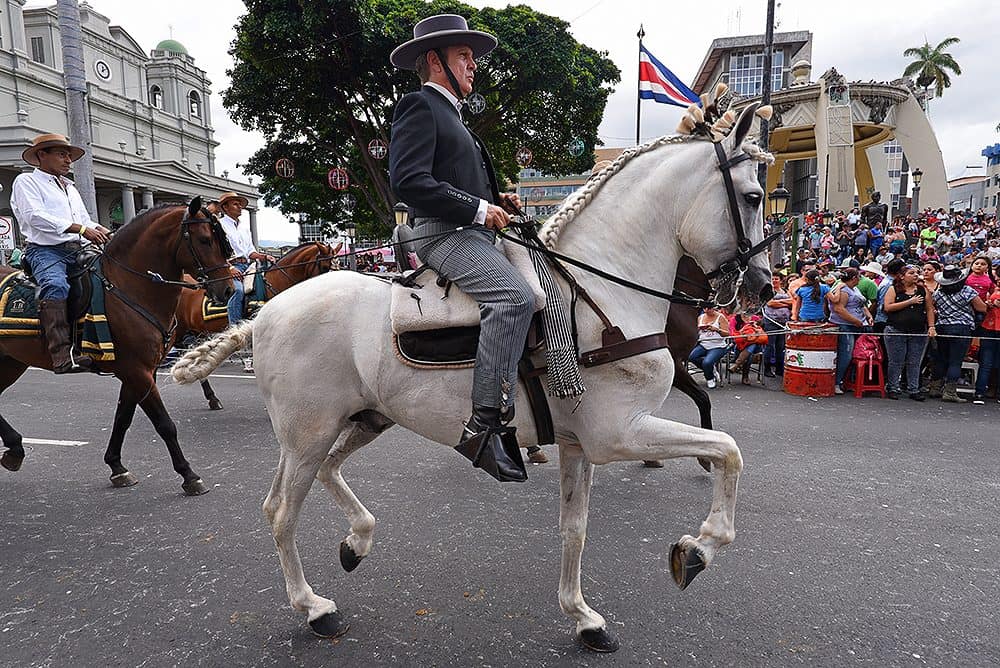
(45, 206)
(240, 237)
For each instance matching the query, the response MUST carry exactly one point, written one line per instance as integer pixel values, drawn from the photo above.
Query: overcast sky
(678, 34)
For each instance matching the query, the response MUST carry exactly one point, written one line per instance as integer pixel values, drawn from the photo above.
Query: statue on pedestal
(875, 212)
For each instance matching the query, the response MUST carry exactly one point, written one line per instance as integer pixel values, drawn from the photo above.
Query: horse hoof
(195, 487)
(652, 464)
(599, 640)
(685, 564)
(214, 405)
(348, 558)
(124, 480)
(10, 462)
(706, 464)
(330, 625)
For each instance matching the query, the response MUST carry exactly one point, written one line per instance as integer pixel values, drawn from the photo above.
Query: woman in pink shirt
(989, 346)
(979, 278)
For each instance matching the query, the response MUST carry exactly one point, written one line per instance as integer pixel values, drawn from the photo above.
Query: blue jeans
(775, 347)
(845, 348)
(951, 352)
(235, 306)
(707, 359)
(907, 352)
(49, 265)
(989, 355)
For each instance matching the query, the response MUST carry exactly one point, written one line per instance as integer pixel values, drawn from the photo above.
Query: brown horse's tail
(199, 362)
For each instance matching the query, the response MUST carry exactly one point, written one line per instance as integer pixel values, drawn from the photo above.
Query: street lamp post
(401, 211)
(778, 199)
(352, 259)
(915, 204)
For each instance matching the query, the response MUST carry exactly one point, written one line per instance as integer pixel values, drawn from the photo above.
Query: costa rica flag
(658, 83)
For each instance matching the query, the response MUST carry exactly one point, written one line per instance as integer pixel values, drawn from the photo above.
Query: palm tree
(931, 65)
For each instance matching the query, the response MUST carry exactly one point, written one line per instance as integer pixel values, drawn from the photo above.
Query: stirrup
(479, 449)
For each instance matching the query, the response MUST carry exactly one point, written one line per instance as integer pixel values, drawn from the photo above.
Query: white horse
(331, 380)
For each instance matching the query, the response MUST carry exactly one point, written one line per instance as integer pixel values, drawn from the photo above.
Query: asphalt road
(866, 535)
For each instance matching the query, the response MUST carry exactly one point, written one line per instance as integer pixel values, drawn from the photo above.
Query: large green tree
(314, 78)
(931, 65)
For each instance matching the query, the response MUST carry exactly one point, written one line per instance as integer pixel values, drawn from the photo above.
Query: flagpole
(638, 83)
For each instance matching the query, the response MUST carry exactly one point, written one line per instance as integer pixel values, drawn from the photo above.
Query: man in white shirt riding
(244, 252)
(55, 224)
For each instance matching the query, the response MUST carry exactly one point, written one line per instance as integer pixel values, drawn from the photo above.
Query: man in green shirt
(928, 235)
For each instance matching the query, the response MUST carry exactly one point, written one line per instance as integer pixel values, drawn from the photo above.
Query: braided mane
(575, 203)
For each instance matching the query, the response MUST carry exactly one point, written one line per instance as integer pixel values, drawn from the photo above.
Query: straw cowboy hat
(50, 141)
(440, 31)
(873, 268)
(225, 197)
(950, 275)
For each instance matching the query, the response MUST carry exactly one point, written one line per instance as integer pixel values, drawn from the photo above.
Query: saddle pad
(414, 309)
(210, 311)
(19, 315)
(448, 348)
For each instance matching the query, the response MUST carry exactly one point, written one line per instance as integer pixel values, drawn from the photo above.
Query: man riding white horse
(445, 173)
(56, 225)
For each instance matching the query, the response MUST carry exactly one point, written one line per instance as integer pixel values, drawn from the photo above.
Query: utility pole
(75, 77)
(765, 90)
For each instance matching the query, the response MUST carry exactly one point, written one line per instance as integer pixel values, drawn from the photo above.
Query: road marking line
(214, 375)
(50, 441)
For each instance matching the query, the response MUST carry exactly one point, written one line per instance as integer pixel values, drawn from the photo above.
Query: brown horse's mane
(128, 235)
(297, 249)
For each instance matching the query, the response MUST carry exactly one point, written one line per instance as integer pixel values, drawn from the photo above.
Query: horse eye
(205, 241)
(753, 199)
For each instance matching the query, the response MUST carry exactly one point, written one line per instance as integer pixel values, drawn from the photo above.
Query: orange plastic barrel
(810, 359)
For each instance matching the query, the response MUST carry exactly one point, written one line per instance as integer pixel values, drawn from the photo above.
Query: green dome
(173, 46)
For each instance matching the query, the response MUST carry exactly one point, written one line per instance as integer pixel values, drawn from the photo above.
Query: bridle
(202, 274)
(745, 249)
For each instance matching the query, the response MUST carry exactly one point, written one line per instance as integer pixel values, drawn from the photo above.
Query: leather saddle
(80, 286)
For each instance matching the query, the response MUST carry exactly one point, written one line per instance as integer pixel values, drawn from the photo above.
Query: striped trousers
(469, 259)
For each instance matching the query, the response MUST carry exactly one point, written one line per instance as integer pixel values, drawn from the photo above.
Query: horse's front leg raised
(358, 543)
(152, 406)
(575, 476)
(655, 438)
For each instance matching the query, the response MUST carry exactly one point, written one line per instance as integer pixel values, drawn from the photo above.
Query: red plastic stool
(867, 377)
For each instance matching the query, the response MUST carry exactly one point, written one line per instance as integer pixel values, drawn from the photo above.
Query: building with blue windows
(992, 155)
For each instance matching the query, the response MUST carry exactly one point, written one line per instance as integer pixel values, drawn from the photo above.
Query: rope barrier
(821, 330)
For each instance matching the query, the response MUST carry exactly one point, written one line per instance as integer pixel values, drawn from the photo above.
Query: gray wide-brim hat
(951, 274)
(440, 31)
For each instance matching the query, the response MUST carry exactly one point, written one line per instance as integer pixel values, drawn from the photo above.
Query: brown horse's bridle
(202, 275)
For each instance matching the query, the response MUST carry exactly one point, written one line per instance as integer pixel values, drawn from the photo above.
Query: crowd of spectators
(927, 285)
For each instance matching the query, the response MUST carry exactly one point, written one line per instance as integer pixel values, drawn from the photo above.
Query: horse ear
(194, 208)
(742, 129)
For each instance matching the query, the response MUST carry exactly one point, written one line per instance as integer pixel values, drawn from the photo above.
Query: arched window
(156, 96)
(194, 103)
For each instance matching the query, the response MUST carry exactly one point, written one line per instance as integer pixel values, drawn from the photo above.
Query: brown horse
(302, 262)
(682, 337)
(143, 264)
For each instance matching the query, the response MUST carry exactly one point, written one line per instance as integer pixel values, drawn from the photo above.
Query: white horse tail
(199, 362)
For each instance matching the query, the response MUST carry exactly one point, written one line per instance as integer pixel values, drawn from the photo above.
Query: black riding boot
(492, 446)
(55, 326)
